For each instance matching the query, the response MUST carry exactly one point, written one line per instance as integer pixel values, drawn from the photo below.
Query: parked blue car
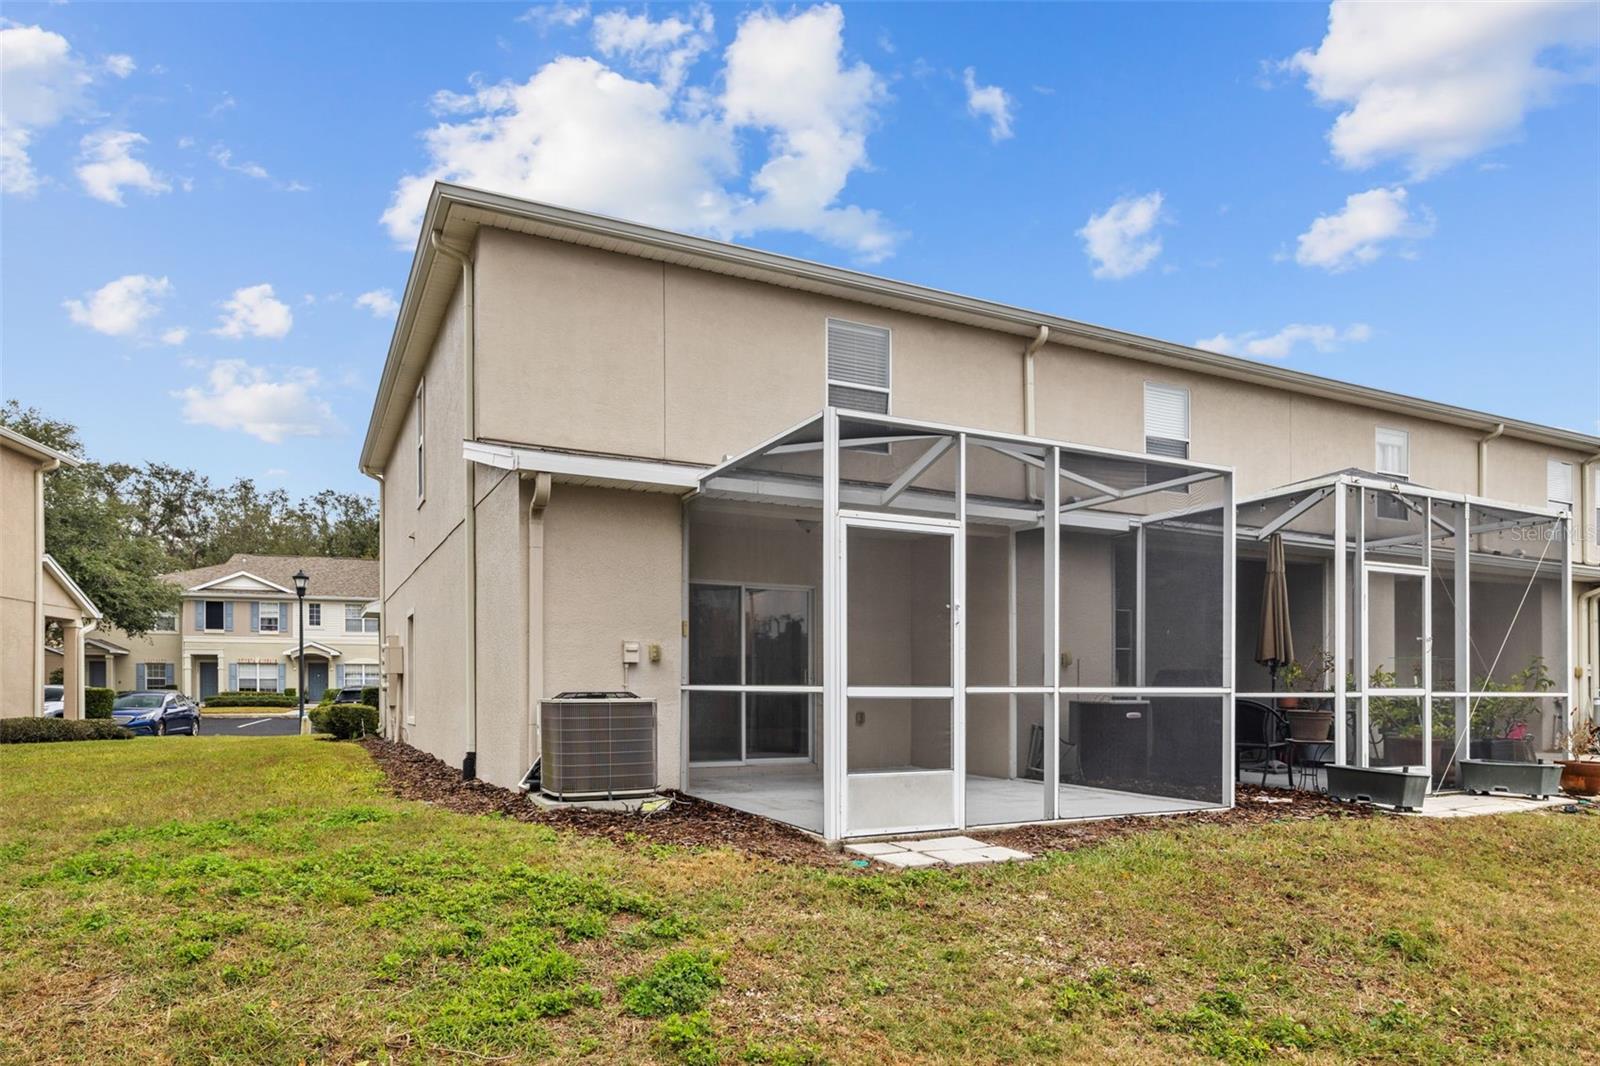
(157, 713)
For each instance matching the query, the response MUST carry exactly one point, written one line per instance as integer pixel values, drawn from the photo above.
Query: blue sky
(206, 206)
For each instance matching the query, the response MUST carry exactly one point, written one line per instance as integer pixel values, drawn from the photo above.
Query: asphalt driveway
(250, 727)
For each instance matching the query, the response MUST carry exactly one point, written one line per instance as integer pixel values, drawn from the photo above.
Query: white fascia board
(609, 467)
(240, 573)
(293, 651)
(79, 597)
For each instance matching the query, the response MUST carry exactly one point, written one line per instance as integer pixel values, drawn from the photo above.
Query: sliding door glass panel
(777, 725)
(714, 727)
(899, 623)
(777, 636)
(713, 635)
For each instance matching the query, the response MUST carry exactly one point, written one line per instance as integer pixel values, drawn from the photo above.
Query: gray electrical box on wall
(597, 745)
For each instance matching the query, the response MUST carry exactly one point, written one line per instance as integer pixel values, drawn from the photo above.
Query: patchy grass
(265, 900)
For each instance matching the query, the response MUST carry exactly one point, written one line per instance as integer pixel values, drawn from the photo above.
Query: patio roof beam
(920, 466)
(1116, 496)
(1090, 482)
(1294, 512)
(850, 442)
(1007, 450)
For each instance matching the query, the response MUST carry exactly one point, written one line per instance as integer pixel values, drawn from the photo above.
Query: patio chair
(1260, 732)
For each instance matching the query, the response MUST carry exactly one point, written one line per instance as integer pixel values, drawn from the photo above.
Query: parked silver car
(55, 701)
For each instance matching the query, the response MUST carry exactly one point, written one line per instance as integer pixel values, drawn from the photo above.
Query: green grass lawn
(265, 900)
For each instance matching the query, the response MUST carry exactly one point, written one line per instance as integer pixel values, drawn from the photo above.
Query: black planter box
(1536, 779)
(1400, 787)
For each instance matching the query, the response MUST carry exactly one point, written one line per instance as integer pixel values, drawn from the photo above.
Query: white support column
(1341, 625)
(1358, 571)
(1427, 640)
(1229, 622)
(1051, 637)
(71, 667)
(1568, 683)
(1463, 622)
(834, 709)
(958, 665)
(1011, 652)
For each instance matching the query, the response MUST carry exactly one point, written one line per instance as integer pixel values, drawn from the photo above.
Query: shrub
(44, 730)
(293, 694)
(345, 721)
(251, 699)
(97, 702)
(57, 676)
(369, 695)
(329, 694)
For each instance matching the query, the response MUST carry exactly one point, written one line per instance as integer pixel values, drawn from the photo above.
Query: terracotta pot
(1310, 724)
(1288, 703)
(1581, 777)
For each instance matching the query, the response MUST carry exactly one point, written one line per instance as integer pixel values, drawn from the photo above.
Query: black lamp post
(301, 580)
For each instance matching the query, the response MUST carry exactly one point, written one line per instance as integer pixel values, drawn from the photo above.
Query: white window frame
(208, 627)
(370, 674)
(154, 672)
(161, 625)
(1157, 387)
(276, 617)
(261, 676)
(829, 381)
(1399, 437)
(313, 616)
(1568, 502)
(363, 624)
(422, 440)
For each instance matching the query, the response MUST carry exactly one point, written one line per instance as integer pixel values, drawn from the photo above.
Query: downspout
(387, 725)
(538, 500)
(1030, 418)
(469, 426)
(1483, 458)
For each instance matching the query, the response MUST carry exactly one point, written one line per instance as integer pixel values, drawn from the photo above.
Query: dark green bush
(293, 694)
(251, 699)
(97, 702)
(329, 694)
(369, 695)
(43, 730)
(345, 721)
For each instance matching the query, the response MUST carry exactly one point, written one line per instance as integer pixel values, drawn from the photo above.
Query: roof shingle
(329, 577)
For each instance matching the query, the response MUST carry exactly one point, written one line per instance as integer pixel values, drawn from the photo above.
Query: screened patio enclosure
(1435, 627)
(897, 627)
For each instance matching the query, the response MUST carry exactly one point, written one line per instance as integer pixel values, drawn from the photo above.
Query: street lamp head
(301, 580)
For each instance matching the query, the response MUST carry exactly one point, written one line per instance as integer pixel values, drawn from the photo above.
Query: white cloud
(579, 133)
(1436, 83)
(120, 65)
(1282, 344)
(380, 302)
(665, 49)
(108, 167)
(1356, 235)
(254, 312)
(175, 336)
(119, 307)
(222, 155)
(1121, 239)
(988, 102)
(239, 396)
(557, 13)
(41, 82)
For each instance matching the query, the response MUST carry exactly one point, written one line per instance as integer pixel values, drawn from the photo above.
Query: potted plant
(1308, 720)
(1580, 775)
(1500, 723)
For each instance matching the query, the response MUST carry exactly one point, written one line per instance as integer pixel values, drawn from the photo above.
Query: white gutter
(469, 421)
(1483, 457)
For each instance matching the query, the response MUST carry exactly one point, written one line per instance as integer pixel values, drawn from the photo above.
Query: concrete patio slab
(908, 858)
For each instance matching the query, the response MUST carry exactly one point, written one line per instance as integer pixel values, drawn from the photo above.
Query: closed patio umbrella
(1275, 643)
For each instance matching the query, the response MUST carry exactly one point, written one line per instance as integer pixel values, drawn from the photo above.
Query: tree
(93, 533)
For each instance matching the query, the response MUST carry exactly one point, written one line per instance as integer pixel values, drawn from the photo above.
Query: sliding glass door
(749, 635)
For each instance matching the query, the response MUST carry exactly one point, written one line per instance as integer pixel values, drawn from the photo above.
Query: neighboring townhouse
(555, 434)
(236, 630)
(36, 594)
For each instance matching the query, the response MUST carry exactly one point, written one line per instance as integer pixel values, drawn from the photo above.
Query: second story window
(271, 617)
(356, 619)
(165, 622)
(1166, 420)
(1392, 453)
(313, 616)
(858, 366)
(1558, 479)
(214, 615)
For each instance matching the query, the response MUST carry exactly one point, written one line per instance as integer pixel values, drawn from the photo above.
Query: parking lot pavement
(250, 727)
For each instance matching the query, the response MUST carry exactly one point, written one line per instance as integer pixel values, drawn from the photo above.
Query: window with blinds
(1393, 452)
(858, 366)
(1558, 484)
(1166, 420)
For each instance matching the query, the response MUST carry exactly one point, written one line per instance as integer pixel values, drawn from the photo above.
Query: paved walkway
(938, 851)
(1462, 805)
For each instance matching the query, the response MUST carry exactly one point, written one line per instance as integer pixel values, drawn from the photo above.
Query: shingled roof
(329, 577)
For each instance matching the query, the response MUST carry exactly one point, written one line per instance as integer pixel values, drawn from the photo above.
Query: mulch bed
(695, 823)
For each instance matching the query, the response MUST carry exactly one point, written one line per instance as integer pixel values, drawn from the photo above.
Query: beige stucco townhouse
(236, 630)
(36, 594)
(889, 559)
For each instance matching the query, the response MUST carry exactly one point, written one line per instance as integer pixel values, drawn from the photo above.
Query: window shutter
(200, 615)
(227, 615)
(172, 675)
(233, 677)
(283, 676)
(1558, 479)
(857, 354)
(138, 677)
(338, 676)
(1166, 412)
(255, 617)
